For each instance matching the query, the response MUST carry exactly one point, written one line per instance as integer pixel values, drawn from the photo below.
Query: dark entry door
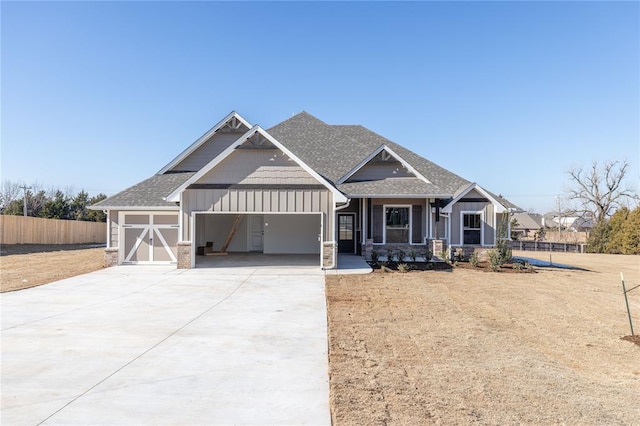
(346, 233)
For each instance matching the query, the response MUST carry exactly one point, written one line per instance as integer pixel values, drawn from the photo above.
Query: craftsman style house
(300, 187)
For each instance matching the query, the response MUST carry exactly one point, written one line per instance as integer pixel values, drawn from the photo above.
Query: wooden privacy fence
(35, 230)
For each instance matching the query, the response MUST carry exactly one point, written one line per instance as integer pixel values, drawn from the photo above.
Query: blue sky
(101, 95)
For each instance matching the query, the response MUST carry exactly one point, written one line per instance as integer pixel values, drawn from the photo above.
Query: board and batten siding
(258, 167)
(419, 222)
(113, 225)
(207, 151)
(258, 201)
(488, 225)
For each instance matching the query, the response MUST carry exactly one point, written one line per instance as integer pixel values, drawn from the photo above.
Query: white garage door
(292, 233)
(149, 237)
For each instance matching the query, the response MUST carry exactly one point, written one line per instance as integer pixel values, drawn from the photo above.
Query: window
(397, 223)
(472, 228)
(345, 227)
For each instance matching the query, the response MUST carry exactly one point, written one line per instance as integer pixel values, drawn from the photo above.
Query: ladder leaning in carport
(232, 232)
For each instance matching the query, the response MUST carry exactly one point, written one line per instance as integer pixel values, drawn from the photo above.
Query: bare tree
(602, 188)
(9, 191)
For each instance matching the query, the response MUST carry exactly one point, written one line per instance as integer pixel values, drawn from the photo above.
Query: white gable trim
(500, 208)
(202, 139)
(372, 155)
(175, 195)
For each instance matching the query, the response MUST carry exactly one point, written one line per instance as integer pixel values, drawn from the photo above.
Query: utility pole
(559, 218)
(25, 188)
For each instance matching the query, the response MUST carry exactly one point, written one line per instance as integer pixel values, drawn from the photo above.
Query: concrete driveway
(153, 345)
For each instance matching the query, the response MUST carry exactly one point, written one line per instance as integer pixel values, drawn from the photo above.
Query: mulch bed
(443, 266)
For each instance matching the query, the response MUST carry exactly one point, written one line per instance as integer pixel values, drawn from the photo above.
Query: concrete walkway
(349, 264)
(153, 345)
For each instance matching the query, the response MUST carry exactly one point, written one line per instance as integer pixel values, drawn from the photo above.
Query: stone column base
(110, 256)
(184, 255)
(328, 254)
(368, 248)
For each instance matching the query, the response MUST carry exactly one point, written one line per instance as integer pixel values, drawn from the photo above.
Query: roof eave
(202, 139)
(114, 207)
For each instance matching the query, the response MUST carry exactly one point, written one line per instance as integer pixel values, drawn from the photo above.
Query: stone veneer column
(184, 255)
(437, 247)
(110, 256)
(328, 251)
(368, 248)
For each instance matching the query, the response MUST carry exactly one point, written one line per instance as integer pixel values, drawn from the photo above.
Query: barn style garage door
(149, 237)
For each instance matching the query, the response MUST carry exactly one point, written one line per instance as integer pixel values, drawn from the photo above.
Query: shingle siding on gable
(258, 166)
(377, 171)
(207, 151)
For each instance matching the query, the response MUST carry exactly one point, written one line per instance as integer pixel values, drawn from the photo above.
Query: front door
(256, 232)
(346, 233)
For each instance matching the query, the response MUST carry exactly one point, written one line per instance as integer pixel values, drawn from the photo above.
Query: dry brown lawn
(469, 347)
(24, 266)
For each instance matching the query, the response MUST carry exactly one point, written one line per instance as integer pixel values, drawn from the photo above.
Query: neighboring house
(527, 224)
(302, 186)
(570, 222)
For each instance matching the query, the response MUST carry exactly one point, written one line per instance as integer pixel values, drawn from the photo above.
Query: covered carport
(257, 238)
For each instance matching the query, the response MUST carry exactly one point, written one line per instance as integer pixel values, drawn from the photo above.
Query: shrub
(502, 242)
(390, 255)
(401, 255)
(375, 256)
(413, 255)
(427, 255)
(518, 266)
(494, 260)
(403, 267)
(473, 259)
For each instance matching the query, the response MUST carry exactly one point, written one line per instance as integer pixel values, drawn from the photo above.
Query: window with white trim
(472, 228)
(397, 224)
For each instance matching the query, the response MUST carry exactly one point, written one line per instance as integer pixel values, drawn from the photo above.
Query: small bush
(427, 255)
(494, 260)
(473, 259)
(401, 255)
(403, 267)
(413, 255)
(375, 256)
(390, 255)
(518, 266)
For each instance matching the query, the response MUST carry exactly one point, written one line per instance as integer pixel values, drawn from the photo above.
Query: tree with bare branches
(602, 188)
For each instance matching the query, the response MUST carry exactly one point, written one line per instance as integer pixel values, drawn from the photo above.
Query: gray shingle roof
(333, 151)
(397, 186)
(148, 193)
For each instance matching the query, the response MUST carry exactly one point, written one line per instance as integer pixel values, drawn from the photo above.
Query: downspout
(335, 231)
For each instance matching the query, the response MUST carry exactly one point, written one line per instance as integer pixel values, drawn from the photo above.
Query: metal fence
(548, 246)
(35, 230)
